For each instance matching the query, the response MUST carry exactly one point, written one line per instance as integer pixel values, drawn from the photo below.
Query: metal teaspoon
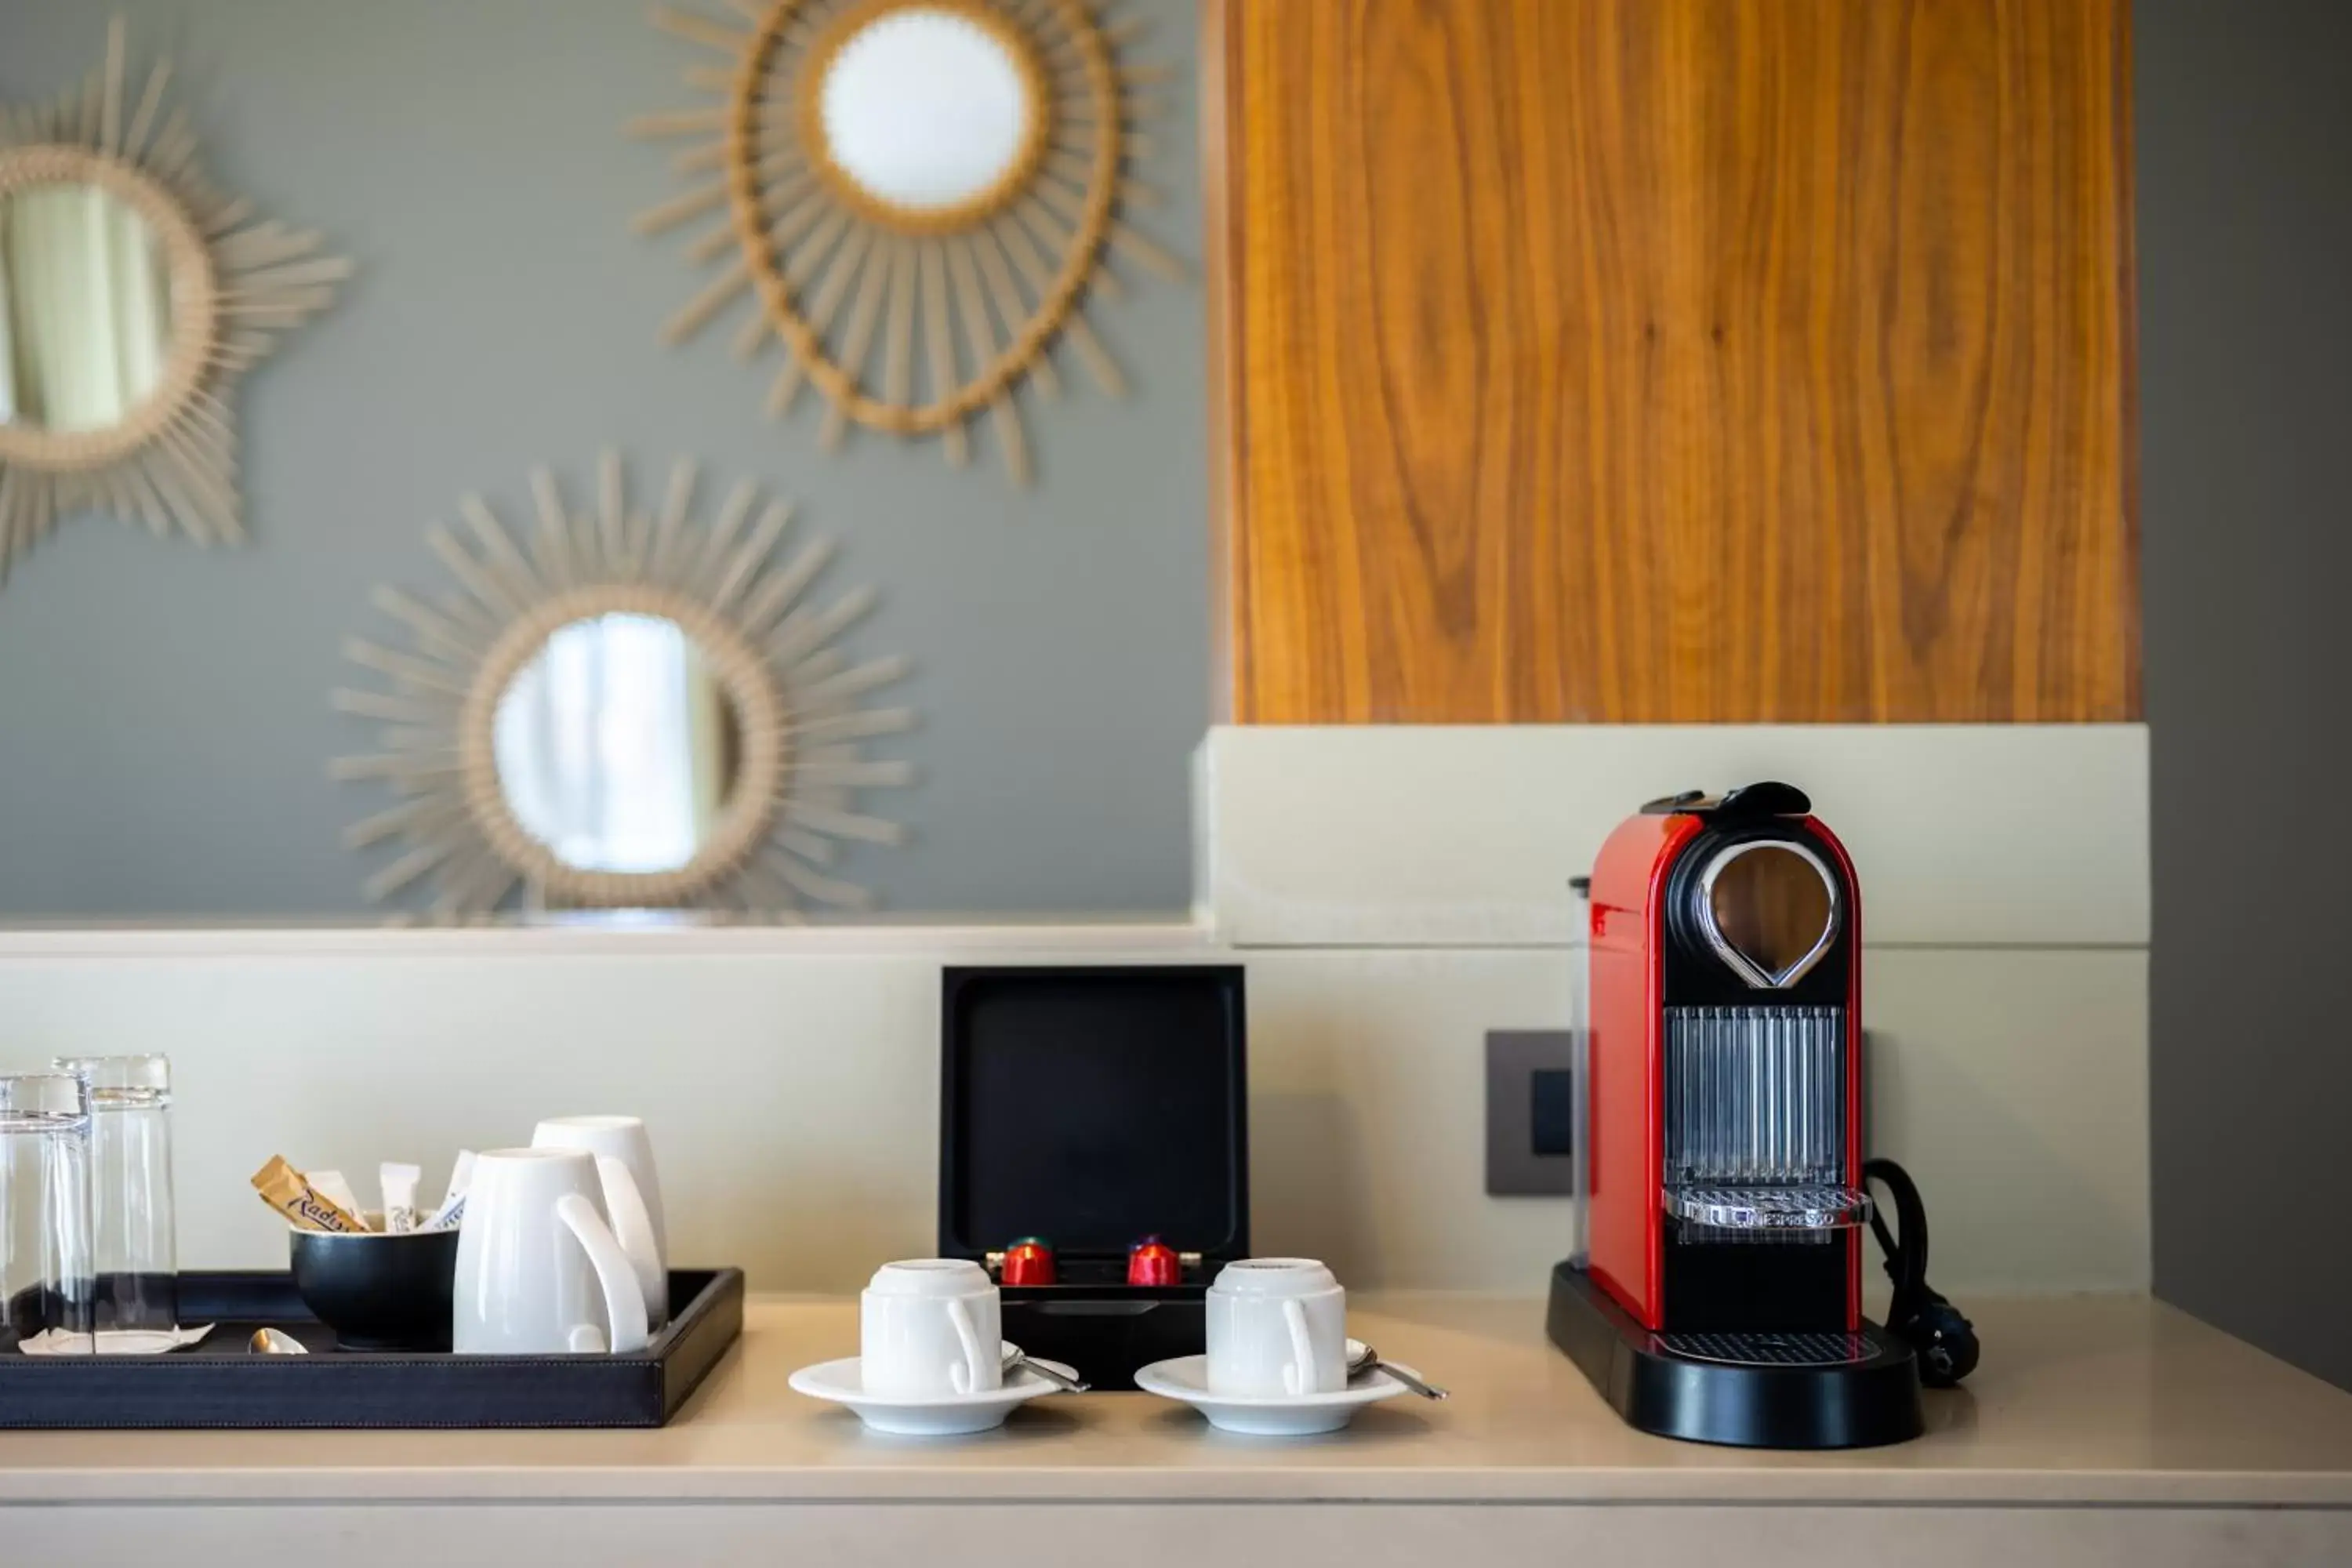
(1014, 1360)
(1362, 1358)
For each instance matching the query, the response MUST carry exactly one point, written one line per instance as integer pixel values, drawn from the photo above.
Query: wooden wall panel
(1675, 360)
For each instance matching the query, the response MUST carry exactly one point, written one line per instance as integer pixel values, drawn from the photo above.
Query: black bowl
(379, 1292)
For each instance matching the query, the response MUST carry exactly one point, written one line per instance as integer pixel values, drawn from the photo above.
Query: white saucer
(1186, 1378)
(946, 1415)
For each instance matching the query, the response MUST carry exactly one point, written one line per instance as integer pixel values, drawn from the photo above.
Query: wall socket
(1530, 1113)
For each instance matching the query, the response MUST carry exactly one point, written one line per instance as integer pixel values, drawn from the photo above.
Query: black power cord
(1944, 1341)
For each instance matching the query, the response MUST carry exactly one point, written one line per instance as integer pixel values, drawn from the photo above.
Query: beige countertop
(2083, 1400)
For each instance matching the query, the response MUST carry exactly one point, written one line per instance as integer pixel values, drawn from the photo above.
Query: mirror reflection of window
(924, 109)
(85, 307)
(616, 746)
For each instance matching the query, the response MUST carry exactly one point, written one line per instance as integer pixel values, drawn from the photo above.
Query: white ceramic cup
(633, 1206)
(928, 1329)
(538, 1269)
(1278, 1328)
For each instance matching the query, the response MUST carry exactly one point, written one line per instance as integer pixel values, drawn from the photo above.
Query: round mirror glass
(1775, 907)
(924, 108)
(616, 748)
(85, 307)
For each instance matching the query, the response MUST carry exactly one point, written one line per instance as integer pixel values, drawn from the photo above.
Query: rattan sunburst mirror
(634, 710)
(133, 294)
(918, 195)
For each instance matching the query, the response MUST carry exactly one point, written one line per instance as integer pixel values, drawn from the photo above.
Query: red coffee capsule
(1029, 1261)
(1152, 1261)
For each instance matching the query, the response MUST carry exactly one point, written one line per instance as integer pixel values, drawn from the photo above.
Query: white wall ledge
(1109, 939)
(1108, 936)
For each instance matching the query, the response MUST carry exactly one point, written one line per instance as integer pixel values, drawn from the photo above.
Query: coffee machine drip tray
(1768, 1208)
(1750, 1348)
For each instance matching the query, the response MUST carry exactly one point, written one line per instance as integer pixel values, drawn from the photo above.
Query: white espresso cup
(1278, 1328)
(930, 1330)
(538, 1269)
(633, 1206)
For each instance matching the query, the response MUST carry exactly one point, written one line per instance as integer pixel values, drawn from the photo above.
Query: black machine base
(1751, 1391)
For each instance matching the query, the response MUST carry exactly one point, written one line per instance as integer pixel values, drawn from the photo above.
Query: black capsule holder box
(1090, 1106)
(223, 1383)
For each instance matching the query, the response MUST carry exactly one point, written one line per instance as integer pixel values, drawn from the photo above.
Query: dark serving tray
(222, 1382)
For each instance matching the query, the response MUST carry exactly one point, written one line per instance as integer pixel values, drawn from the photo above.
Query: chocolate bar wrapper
(283, 1188)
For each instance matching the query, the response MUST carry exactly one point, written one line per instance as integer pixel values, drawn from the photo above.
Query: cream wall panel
(2013, 1085)
(1466, 835)
(791, 1080)
(1368, 1115)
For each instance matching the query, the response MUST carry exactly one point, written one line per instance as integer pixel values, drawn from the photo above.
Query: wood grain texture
(1677, 359)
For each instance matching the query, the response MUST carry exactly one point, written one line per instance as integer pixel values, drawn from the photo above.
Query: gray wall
(2245, 233)
(163, 719)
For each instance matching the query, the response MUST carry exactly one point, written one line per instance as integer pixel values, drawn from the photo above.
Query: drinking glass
(132, 1226)
(45, 1280)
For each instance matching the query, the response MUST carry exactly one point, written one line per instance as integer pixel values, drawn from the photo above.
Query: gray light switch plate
(1514, 1058)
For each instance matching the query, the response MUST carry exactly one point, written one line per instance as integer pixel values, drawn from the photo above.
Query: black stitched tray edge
(183, 1390)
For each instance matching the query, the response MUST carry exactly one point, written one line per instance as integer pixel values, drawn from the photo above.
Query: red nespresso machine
(1719, 1298)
